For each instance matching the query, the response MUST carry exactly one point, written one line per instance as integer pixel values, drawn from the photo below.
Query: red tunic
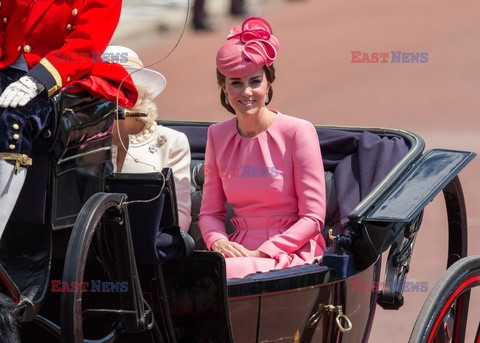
(61, 40)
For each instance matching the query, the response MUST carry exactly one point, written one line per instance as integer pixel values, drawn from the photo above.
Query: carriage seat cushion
(332, 218)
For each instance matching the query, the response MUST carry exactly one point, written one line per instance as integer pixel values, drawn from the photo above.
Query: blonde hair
(146, 104)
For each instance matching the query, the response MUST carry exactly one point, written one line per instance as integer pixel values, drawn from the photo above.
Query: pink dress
(275, 182)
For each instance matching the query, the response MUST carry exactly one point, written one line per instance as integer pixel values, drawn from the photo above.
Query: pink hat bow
(248, 48)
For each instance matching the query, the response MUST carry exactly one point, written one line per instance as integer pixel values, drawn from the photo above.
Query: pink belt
(252, 223)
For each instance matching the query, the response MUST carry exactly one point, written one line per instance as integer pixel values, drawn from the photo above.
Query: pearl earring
(226, 99)
(267, 98)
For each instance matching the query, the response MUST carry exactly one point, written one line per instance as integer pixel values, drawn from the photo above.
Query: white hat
(146, 78)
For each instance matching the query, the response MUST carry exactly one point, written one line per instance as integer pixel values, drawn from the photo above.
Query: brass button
(16, 136)
(5, 20)
(74, 12)
(69, 27)
(11, 146)
(27, 49)
(15, 126)
(19, 48)
(68, 79)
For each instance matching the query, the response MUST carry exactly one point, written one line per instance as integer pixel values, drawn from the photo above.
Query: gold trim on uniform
(20, 159)
(56, 75)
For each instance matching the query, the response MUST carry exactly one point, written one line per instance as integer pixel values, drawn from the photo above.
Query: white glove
(20, 92)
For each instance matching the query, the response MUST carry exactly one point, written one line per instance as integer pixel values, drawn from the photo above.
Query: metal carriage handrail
(416, 147)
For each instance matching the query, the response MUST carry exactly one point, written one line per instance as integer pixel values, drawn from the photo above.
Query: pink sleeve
(213, 213)
(309, 179)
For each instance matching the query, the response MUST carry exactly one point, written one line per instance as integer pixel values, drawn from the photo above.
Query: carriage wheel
(76, 315)
(444, 315)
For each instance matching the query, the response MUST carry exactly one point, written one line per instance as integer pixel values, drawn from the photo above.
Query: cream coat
(158, 147)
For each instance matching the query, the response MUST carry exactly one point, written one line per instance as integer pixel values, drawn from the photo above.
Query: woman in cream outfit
(140, 144)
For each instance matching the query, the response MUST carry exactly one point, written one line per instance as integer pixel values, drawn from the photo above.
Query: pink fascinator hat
(248, 48)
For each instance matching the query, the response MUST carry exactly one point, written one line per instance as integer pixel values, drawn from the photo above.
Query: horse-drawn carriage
(81, 262)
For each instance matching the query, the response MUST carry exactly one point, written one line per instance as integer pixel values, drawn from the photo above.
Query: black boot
(199, 17)
(238, 9)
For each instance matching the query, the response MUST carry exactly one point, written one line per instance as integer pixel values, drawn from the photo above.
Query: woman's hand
(232, 249)
(229, 249)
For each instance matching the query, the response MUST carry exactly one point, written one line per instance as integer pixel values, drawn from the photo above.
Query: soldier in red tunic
(45, 45)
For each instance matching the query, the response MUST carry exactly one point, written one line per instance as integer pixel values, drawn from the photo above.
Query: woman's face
(247, 95)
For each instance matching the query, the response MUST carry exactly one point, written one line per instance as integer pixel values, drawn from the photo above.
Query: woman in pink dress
(267, 164)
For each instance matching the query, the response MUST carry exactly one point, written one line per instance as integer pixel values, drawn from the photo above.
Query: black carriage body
(70, 163)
